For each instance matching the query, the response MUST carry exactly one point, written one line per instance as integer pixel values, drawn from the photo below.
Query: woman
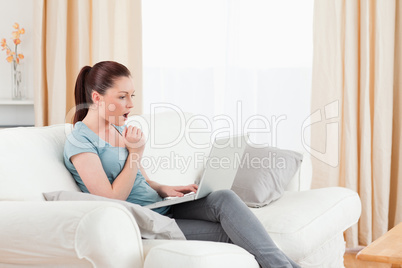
(104, 158)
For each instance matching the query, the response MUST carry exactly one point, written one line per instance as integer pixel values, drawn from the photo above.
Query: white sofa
(306, 224)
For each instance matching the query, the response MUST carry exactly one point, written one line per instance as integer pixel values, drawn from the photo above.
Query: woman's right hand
(134, 140)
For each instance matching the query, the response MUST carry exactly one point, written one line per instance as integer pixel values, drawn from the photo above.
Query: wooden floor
(350, 261)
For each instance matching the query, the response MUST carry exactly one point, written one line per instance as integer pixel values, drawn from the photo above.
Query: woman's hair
(99, 78)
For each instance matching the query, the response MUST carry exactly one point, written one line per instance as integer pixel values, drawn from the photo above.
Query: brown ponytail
(100, 78)
(82, 101)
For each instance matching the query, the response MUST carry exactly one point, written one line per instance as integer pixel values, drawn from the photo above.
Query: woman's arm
(165, 190)
(89, 167)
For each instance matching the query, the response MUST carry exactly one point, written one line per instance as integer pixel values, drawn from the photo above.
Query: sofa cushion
(301, 222)
(152, 225)
(195, 254)
(32, 162)
(264, 174)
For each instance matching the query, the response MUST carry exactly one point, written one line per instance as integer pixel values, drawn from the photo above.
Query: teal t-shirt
(82, 139)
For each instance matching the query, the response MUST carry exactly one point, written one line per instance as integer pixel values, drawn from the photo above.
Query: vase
(17, 81)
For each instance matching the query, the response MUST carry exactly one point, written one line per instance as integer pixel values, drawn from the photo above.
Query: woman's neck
(95, 122)
(103, 128)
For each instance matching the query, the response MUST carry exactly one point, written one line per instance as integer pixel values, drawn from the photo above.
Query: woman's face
(116, 104)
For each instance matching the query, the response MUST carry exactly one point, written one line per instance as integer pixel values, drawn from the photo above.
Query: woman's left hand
(179, 191)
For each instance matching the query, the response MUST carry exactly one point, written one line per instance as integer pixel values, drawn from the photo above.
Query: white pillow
(152, 225)
(264, 174)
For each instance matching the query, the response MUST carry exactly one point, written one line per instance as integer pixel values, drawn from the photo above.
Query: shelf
(13, 126)
(16, 102)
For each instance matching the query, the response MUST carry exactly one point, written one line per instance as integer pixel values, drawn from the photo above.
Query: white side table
(15, 113)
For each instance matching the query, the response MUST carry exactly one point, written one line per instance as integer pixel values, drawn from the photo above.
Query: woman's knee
(224, 195)
(225, 203)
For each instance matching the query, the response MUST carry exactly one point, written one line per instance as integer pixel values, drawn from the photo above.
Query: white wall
(20, 11)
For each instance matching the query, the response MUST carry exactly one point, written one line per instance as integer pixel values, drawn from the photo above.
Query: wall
(20, 11)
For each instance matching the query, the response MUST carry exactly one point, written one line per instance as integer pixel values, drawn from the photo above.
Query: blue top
(82, 139)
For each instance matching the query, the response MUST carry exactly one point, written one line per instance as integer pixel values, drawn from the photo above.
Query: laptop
(219, 173)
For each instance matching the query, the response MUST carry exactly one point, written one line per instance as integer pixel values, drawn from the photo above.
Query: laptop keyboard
(175, 197)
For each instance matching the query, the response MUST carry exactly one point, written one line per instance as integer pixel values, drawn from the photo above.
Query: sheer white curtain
(247, 60)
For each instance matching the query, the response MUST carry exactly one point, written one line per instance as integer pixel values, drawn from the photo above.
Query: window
(233, 58)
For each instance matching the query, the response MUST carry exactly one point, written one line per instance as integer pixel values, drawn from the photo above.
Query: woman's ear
(96, 97)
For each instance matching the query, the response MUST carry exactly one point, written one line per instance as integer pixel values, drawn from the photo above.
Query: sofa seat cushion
(195, 254)
(301, 222)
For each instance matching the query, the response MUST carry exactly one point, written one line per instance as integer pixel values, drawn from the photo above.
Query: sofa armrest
(73, 233)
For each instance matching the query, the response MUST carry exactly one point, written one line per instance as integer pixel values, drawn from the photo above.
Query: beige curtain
(73, 33)
(357, 67)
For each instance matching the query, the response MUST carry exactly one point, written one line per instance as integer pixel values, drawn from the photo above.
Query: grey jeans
(223, 217)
